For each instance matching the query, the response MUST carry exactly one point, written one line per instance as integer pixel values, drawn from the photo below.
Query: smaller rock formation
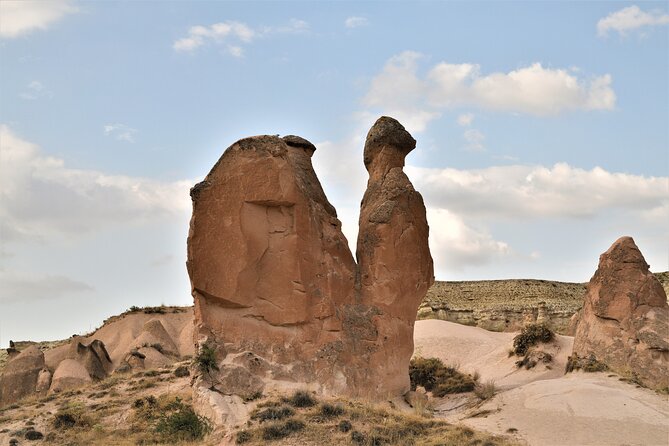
(70, 374)
(624, 322)
(20, 376)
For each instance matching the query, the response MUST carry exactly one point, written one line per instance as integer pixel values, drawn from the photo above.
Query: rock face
(273, 278)
(624, 322)
(20, 376)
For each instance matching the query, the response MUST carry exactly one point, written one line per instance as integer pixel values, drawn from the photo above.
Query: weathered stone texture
(625, 318)
(273, 277)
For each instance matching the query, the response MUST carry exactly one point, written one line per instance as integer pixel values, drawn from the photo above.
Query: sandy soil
(545, 406)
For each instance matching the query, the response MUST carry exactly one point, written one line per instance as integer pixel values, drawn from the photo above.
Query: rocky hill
(506, 305)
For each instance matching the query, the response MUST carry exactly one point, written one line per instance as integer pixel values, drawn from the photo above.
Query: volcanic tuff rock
(624, 322)
(19, 378)
(273, 278)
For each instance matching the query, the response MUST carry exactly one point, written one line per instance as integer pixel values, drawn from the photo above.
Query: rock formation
(277, 291)
(19, 379)
(624, 322)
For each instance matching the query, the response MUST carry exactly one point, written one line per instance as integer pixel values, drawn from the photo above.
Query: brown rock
(19, 378)
(70, 374)
(625, 318)
(273, 278)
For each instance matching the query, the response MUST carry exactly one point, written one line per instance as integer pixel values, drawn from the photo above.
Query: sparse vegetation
(273, 413)
(531, 335)
(181, 423)
(302, 398)
(181, 371)
(486, 390)
(434, 376)
(589, 364)
(278, 430)
(206, 360)
(329, 410)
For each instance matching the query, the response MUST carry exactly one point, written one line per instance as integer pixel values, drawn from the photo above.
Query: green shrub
(531, 335)
(206, 359)
(441, 380)
(302, 398)
(181, 423)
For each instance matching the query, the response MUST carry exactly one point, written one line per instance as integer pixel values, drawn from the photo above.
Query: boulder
(272, 274)
(20, 376)
(43, 381)
(70, 374)
(624, 322)
(155, 335)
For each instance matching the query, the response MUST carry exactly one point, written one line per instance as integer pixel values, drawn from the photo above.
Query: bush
(182, 424)
(589, 364)
(331, 410)
(344, 426)
(206, 359)
(34, 435)
(302, 398)
(243, 437)
(181, 371)
(485, 391)
(71, 417)
(531, 335)
(273, 413)
(358, 437)
(276, 431)
(441, 380)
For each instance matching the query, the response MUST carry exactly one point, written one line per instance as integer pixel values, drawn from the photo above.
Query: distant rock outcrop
(20, 376)
(624, 322)
(273, 278)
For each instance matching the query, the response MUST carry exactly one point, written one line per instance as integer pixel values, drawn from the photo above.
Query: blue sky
(542, 133)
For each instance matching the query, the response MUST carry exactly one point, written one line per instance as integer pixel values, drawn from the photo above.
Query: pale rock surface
(70, 374)
(19, 378)
(43, 381)
(272, 274)
(624, 322)
(155, 335)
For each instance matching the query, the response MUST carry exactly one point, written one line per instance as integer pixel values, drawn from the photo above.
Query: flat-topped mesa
(277, 291)
(624, 322)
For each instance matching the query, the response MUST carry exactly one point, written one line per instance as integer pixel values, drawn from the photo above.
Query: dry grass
(345, 422)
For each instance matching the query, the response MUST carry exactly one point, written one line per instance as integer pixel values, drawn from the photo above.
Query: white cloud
(18, 287)
(631, 18)
(34, 90)
(526, 192)
(465, 119)
(455, 245)
(232, 31)
(533, 90)
(121, 132)
(474, 140)
(41, 197)
(398, 92)
(355, 22)
(20, 17)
